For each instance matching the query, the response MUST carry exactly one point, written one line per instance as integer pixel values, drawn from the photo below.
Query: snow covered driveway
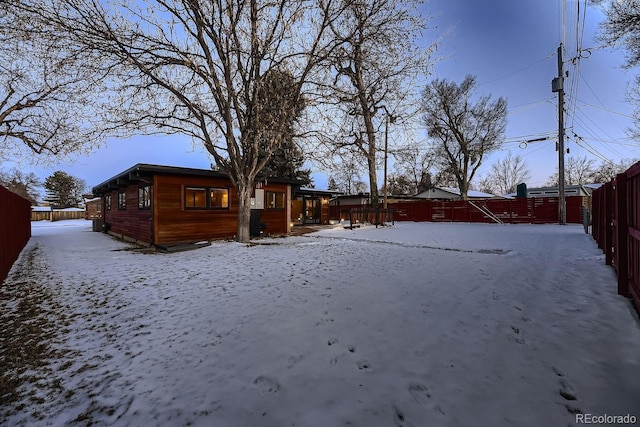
(419, 324)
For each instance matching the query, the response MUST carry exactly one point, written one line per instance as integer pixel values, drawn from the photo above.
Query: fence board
(512, 211)
(15, 228)
(616, 228)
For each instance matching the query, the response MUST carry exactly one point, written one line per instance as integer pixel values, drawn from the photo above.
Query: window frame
(122, 200)
(107, 202)
(207, 194)
(274, 194)
(144, 197)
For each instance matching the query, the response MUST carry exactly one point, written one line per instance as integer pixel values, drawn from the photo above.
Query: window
(275, 200)
(122, 201)
(107, 202)
(144, 197)
(206, 198)
(218, 198)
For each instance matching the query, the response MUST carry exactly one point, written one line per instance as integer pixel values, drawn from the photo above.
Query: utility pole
(386, 151)
(557, 85)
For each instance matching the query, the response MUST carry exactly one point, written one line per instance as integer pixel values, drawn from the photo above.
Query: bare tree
(47, 89)
(345, 173)
(202, 68)
(22, 184)
(506, 174)
(608, 170)
(622, 27)
(577, 171)
(462, 131)
(415, 162)
(374, 69)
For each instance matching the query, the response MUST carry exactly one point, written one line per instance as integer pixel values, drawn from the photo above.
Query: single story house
(166, 205)
(448, 193)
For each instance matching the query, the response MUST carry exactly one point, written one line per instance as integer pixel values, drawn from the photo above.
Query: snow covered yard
(419, 324)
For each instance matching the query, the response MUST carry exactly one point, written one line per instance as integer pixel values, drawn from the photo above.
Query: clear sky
(510, 46)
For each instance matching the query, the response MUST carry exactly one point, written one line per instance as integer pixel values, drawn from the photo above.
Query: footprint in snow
(420, 393)
(266, 384)
(364, 365)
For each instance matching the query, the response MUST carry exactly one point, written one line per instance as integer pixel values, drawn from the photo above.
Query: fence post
(608, 222)
(622, 237)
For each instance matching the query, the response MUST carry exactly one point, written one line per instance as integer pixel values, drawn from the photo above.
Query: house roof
(141, 171)
(304, 191)
(470, 193)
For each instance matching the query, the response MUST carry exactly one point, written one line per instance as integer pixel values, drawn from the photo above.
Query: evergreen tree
(64, 190)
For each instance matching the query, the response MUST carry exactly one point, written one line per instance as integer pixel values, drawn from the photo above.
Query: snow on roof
(470, 193)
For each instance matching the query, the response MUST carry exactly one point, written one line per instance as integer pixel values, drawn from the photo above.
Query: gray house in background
(447, 193)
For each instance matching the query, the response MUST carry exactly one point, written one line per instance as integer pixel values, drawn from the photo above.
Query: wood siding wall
(174, 224)
(130, 223)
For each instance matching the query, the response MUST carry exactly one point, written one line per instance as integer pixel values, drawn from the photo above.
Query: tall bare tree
(622, 27)
(46, 89)
(202, 68)
(577, 171)
(462, 130)
(374, 70)
(507, 173)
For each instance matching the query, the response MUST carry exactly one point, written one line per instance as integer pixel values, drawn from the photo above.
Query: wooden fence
(15, 228)
(616, 229)
(512, 211)
(57, 215)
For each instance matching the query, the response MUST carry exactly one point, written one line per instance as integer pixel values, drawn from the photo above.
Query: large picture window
(274, 200)
(122, 201)
(206, 198)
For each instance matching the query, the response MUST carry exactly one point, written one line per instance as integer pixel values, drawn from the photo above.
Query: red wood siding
(132, 223)
(276, 219)
(174, 224)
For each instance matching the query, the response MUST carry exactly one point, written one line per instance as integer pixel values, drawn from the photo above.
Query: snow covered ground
(418, 324)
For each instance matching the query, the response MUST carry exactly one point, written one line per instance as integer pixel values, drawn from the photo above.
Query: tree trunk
(244, 211)
(373, 181)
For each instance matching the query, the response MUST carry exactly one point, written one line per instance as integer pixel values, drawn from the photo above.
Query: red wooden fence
(511, 211)
(616, 228)
(15, 228)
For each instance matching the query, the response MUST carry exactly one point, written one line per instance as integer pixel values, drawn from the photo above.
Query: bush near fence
(511, 211)
(15, 228)
(616, 229)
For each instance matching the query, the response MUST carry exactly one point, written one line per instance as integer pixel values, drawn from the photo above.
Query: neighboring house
(311, 206)
(448, 193)
(569, 190)
(350, 200)
(93, 208)
(165, 205)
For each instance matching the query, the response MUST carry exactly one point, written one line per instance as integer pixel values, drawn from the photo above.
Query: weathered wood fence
(616, 229)
(15, 228)
(510, 211)
(57, 215)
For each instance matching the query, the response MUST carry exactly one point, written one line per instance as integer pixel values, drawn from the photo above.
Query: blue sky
(510, 46)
